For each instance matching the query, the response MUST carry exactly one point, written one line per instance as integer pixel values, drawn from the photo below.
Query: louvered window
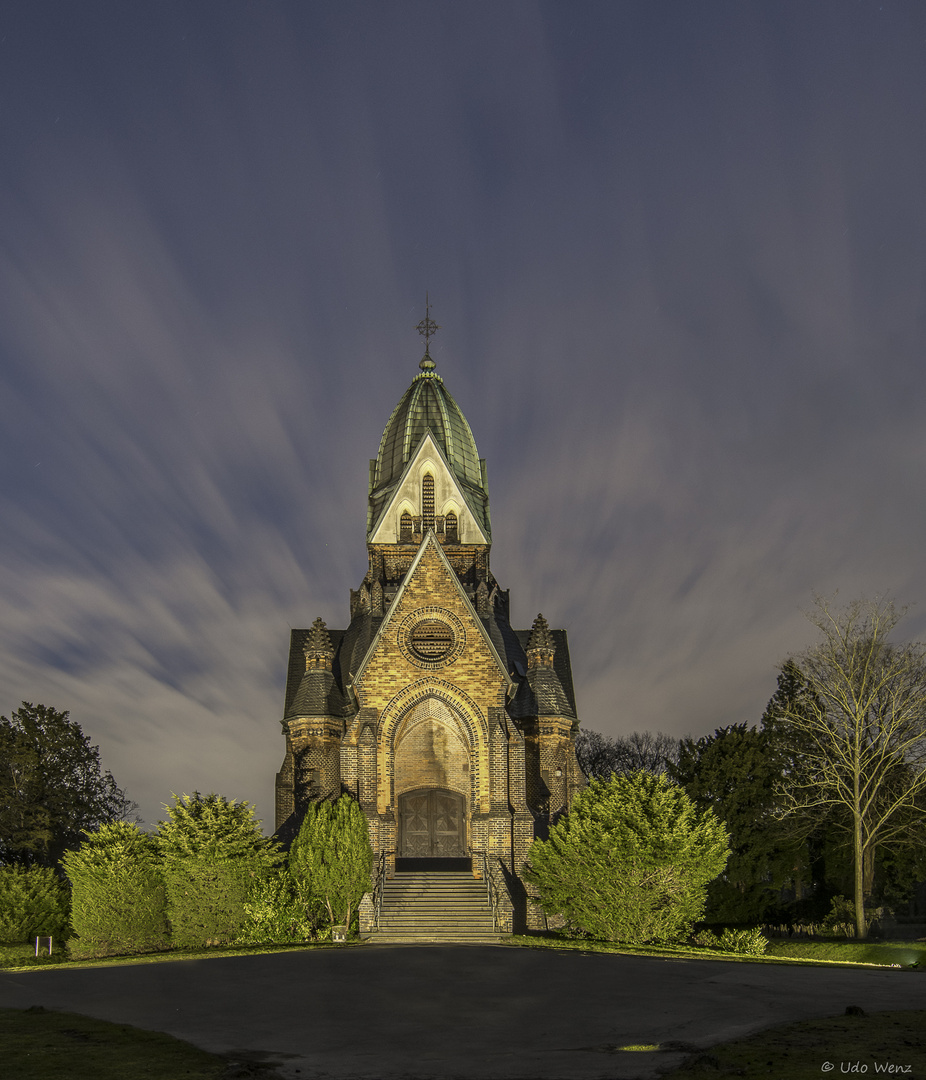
(427, 503)
(450, 528)
(405, 527)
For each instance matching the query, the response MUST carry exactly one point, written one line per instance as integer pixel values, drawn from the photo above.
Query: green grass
(803, 1051)
(803, 950)
(842, 950)
(23, 958)
(43, 1045)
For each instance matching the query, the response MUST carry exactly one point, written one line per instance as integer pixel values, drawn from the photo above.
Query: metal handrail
(379, 881)
(491, 889)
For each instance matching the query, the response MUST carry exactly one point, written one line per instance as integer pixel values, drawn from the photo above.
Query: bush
(274, 914)
(630, 862)
(34, 903)
(330, 861)
(118, 903)
(751, 942)
(214, 855)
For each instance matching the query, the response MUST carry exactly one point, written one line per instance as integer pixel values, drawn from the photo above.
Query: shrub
(214, 854)
(274, 914)
(118, 903)
(330, 861)
(751, 942)
(630, 862)
(33, 903)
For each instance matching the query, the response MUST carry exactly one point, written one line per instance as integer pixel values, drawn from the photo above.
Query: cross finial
(427, 328)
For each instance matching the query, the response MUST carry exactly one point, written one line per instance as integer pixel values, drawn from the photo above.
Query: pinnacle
(540, 638)
(318, 641)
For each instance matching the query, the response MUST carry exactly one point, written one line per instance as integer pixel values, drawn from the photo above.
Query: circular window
(431, 637)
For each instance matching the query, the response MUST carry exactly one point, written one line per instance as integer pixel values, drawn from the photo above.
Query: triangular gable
(431, 539)
(385, 529)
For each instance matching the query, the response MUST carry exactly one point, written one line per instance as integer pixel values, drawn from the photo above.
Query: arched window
(450, 528)
(427, 502)
(405, 527)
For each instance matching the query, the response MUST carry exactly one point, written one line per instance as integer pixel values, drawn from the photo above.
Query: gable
(449, 496)
(430, 627)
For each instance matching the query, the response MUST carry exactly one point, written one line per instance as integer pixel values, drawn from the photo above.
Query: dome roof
(427, 404)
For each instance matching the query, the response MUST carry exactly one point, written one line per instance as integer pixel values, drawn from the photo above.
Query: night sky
(678, 254)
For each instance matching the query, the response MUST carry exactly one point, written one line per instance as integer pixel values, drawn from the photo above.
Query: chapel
(453, 730)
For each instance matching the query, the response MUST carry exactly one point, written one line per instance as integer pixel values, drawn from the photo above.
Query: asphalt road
(391, 1012)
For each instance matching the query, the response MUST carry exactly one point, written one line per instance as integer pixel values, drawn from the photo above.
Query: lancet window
(427, 503)
(450, 528)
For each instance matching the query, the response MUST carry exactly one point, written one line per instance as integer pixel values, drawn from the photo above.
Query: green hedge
(119, 904)
(34, 903)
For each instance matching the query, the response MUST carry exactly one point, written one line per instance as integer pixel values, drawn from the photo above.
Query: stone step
(428, 906)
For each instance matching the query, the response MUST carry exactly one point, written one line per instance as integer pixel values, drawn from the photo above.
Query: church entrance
(432, 824)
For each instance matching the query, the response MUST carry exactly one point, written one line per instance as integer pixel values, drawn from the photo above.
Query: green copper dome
(427, 404)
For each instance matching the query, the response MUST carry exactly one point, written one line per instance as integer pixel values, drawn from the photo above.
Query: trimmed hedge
(34, 903)
(119, 904)
(214, 855)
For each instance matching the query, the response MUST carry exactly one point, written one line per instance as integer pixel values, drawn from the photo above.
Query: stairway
(435, 906)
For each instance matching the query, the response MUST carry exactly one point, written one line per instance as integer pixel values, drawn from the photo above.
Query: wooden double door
(432, 824)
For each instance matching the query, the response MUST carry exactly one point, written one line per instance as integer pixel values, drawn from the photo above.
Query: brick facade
(429, 689)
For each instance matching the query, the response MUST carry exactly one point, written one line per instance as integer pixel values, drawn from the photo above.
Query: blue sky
(677, 252)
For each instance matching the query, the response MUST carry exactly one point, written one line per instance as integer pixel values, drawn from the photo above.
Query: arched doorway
(432, 824)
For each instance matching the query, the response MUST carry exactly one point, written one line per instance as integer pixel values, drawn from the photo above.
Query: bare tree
(599, 756)
(861, 731)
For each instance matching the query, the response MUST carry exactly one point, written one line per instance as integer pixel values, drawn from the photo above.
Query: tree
(599, 756)
(118, 900)
(214, 854)
(734, 772)
(860, 729)
(630, 861)
(52, 787)
(34, 902)
(331, 858)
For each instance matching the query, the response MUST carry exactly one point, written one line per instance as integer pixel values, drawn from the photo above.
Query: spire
(318, 650)
(427, 328)
(540, 646)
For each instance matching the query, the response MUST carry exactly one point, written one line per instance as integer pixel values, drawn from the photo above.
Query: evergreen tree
(214, 855)
(734, 772)
(630, 861)
(52, 787)
(119, 904)
(330, 860)
(34, 903)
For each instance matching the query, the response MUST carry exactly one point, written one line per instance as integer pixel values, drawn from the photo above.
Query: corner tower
(455, 732)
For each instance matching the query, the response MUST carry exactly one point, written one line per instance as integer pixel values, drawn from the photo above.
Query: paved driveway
(385, 1012)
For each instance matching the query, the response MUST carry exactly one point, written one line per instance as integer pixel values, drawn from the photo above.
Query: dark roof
(544, 693)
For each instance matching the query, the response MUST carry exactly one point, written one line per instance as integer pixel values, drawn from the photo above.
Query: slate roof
(546, 691)
(542, 691)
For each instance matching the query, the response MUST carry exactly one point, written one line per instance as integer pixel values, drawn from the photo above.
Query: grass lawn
(22, 957)
(803, 1051)
(43, 1045)
(905, 954)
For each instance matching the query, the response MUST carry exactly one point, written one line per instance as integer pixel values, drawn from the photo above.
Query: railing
(491, 890)
(379, 882)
